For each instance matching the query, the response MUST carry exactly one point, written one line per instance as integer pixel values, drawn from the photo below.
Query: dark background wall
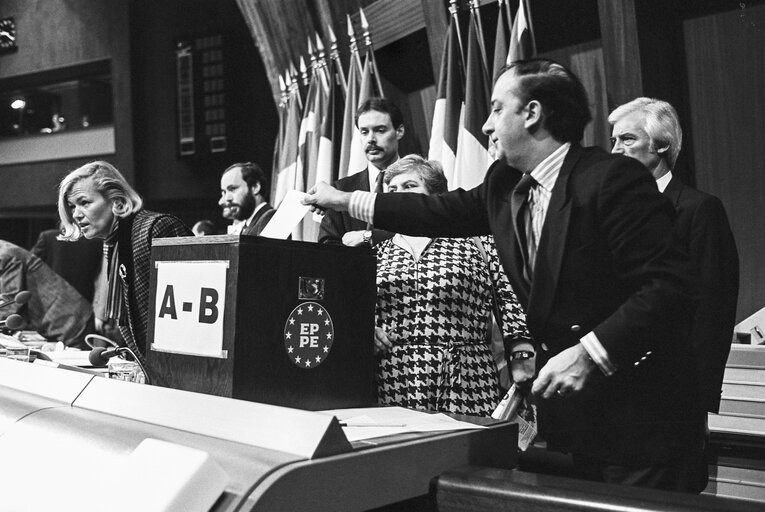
(705, 57)
(187, 186)
(55, 34)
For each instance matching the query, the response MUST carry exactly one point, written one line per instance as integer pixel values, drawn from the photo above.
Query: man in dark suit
(649, 131)
(381, 126)
(55, 309)
(586, 240)
(78, 262)
(244, 198)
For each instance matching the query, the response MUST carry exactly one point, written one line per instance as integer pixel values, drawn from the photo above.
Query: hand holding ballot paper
(517, 408)
(291, 211)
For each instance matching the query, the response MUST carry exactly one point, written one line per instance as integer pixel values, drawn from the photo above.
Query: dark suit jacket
(704, 231)
(77, 262)
(335, 224)
(260, 220)
(134, 237)
(605, 263)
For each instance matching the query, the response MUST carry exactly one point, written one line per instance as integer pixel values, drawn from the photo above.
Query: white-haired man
(649, 130)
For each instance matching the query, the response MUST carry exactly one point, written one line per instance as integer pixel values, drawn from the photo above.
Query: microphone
(14, 322)
(100, 356)
(20, 298)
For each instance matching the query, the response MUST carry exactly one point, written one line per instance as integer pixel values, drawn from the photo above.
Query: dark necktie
(378, 189)
(379, 182)
(519, 203)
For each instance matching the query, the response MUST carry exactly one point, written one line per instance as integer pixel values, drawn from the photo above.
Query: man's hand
(353, 238)
(383, 341)
(323, 196)
(565, 373)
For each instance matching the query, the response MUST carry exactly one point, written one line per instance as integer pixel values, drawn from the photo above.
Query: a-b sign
(189, 307)
(208, 304)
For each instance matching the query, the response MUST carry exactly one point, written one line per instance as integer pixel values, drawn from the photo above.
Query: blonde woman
(96, 202)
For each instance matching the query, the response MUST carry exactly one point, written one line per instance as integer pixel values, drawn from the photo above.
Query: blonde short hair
(109, 182)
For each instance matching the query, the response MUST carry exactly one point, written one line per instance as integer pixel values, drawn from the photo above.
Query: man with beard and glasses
(381, 126)
(243, 197)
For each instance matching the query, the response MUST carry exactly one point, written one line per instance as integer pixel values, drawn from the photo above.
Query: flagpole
(531, 27)
(311, 56)
(354, 43)
(334, 55)
(479, 32)
(304, 72)
(509, 11)
(370, 49)
(453, 11)
(295, 85)
(321, 66)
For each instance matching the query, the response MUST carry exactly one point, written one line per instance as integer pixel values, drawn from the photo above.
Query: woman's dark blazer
(135, 234)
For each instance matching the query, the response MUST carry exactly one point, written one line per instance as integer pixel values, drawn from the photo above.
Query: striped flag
(449, 98)
(521, 38)
(308, 142)
(284, 180)
(327, 159)
(501, 43)
(351, 104)
(472, 148)
(370, 87)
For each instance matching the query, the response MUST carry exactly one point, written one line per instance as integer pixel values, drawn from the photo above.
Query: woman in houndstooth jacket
(434, 303)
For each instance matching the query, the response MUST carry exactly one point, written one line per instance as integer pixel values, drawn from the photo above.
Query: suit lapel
(673, 191)
(502, 184)
(259, 214)
(552, 243)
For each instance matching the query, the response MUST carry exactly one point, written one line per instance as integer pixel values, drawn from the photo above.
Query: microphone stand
(123, 350)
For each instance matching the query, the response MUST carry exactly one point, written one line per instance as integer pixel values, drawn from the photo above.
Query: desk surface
(79, 441)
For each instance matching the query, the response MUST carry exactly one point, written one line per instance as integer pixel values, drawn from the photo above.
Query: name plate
(189, 307)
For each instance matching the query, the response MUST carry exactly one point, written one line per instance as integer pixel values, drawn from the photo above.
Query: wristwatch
(366, 236)
(522, 354)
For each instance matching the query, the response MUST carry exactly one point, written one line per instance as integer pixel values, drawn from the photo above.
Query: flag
(449, 98)
(370, 87)
(282, 112)
(501, 42)
(327, 159)
(308, 143)
(472, 148)
(350, 105)
(284, 180)
(521, 38)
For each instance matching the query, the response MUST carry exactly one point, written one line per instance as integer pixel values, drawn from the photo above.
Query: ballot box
(273, 321)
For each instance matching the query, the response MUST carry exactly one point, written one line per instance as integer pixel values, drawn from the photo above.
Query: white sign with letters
(189, 306)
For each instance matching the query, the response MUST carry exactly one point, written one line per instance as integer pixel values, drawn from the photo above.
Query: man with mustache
(381, 125)
(243, 197)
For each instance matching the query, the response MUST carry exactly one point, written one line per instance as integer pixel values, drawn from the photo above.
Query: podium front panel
(298, 323)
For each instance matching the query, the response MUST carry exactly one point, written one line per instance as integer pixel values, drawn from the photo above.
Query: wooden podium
(285, 323)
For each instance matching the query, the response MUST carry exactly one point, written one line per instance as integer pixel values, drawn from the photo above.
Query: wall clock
(7, 35)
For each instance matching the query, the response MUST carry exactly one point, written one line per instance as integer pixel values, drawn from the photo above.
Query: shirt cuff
(362, 205)
(598, 354)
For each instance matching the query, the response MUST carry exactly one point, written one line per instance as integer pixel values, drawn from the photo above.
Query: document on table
(289, 214)
(371, 422)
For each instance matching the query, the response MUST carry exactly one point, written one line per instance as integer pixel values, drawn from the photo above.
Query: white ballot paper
(290, 212)
(370, 422)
